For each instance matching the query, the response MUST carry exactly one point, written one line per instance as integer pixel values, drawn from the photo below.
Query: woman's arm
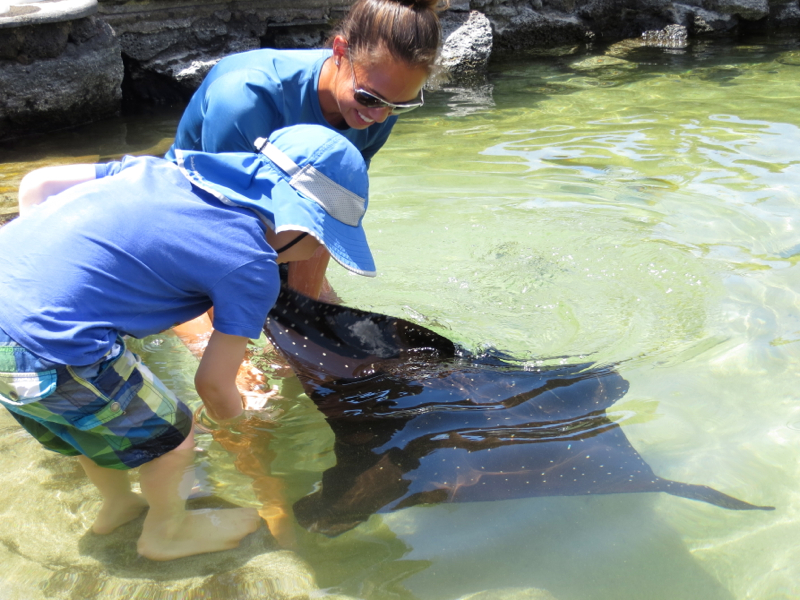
(42, 183)
(308, 276)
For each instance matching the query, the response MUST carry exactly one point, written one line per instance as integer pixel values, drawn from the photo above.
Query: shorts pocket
(19, 389)
(100, 407)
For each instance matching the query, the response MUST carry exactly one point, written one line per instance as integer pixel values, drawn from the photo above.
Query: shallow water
(640, 209)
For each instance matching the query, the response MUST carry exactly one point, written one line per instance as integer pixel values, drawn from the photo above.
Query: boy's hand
(216, 376)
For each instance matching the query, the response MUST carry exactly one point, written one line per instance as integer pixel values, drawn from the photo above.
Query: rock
(701, 22)
(751, 10)
(56, 75)
(467, 45)
(521, 26)
(788, 14)
(169, 45)
(19, 13)
(672, 36)
(172, 77)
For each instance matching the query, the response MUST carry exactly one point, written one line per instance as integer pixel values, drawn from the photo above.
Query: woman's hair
(408, 30)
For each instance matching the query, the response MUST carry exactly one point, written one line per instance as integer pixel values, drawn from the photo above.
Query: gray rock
(789, 14)
(702, 22)
(459, 6)
(672, 36)
(189, 67)
(522, 26)
(18, 13)
(467, 45)
(57, 75)
(169, 45)
(750, 10)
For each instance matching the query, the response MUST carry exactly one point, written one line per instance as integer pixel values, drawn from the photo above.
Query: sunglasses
(370, 100)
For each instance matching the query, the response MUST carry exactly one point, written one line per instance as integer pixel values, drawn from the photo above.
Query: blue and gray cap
(304, 178)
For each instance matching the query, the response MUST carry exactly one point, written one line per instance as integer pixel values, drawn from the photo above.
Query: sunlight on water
(639, 211)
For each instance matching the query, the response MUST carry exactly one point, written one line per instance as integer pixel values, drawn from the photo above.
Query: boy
(133, 248)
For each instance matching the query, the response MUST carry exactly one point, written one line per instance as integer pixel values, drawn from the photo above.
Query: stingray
(420, 420)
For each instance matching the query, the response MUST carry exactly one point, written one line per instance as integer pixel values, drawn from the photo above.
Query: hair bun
(409, 30)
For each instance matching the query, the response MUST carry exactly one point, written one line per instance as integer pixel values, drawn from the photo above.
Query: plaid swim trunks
(115, 412)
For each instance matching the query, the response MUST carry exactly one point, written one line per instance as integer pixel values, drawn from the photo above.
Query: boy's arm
(38, 185)
(215, 380)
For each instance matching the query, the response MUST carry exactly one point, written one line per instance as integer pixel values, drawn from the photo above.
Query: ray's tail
(708, 494)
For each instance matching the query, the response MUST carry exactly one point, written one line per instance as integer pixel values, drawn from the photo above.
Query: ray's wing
(327, 342)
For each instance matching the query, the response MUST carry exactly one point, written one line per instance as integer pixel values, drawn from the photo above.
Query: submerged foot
(199, 532)
(118, 512)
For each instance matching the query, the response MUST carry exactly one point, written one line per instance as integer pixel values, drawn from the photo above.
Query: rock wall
(523, 24)
(58, 74)
(169, 45)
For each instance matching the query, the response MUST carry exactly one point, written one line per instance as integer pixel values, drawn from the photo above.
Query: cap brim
(347, 244)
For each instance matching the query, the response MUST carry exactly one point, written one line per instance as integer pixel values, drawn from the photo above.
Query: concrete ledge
(19, 13)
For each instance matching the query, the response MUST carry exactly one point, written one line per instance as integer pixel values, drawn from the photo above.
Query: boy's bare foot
(120, 511)
(200, 531)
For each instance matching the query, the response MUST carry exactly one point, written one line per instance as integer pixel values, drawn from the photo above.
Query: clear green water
(643, 212)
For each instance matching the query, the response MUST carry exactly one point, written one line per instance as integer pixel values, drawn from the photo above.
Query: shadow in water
(575, 548)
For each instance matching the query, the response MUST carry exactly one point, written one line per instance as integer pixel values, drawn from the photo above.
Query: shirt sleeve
(240, 107)
(106, 169)
(115, 166)
(243, 298)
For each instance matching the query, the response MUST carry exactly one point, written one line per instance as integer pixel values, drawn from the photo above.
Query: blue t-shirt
(136, 251)
(249, 95)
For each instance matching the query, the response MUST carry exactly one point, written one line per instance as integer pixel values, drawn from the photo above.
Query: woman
(379, 58)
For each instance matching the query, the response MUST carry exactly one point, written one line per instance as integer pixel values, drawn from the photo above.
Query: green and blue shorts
(115, 412)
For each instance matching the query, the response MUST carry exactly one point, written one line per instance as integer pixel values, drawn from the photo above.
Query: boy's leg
(120, 503)
(170, 531)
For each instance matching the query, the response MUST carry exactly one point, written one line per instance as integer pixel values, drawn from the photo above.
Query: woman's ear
(339, 49)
